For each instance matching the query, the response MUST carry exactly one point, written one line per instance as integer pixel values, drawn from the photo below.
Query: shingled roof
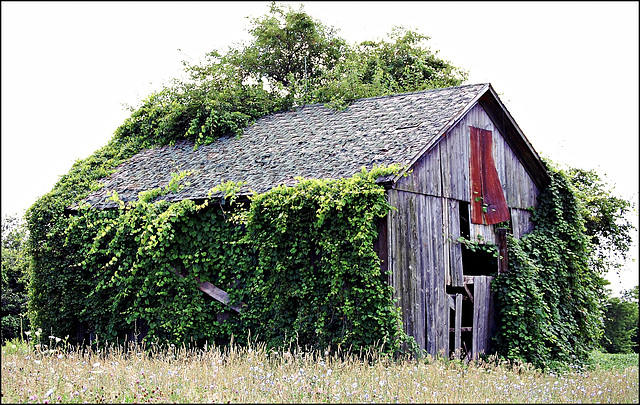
(312, 142)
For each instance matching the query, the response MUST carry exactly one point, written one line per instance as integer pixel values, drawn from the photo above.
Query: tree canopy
(621, 323)
(291, 60)
(606, 218)
(14, 277)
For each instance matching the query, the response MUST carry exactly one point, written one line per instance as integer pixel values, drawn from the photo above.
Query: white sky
(567, 72)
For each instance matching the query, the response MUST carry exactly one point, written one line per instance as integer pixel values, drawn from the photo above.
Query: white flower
(96, 364)
(27, 332)
(48, 394)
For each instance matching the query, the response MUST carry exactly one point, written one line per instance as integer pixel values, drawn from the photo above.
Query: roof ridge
(391, 95)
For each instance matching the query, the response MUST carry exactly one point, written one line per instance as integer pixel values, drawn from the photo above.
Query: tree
(621, 323)
(289, 46)
(14, 277)
(291, 60)
(606, 220)
(368, 69)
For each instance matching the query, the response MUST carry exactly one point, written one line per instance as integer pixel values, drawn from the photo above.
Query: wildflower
(48, 394)
(33, 397)
(96, 364)
(354, 385)
(27, 332)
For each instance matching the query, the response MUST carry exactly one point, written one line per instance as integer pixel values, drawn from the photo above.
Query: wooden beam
(212, 291)
(217, 294)
(468, 292)
(503, 260)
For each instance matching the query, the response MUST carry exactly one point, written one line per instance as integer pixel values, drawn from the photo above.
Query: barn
(469, 172)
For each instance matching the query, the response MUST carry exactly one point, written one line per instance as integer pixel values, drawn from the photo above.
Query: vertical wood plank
(454, 247)
(442, 308)
(482, 315)
(458, 325)
(409, 272)
(430, 283)
(503, 259)
(416, 256)
(446, 239)
(446, 161)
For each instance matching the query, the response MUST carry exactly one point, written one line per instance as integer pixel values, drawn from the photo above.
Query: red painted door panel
(488, 204)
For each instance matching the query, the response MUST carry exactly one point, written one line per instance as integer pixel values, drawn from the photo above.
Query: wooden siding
(444, 170)
(520, 222)
(454, 158)
(423, 255)
(418, 275)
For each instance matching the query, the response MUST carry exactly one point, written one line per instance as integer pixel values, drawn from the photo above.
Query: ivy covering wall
(549, 301)
(298, 260)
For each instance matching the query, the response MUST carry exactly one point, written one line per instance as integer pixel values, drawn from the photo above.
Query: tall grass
(56, 374)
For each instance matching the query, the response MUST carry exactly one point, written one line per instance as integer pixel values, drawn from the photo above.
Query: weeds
(56, 373)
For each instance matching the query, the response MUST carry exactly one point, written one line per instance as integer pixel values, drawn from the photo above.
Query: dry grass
(254, 375)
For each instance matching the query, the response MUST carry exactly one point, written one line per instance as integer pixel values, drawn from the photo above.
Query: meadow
(53, 373)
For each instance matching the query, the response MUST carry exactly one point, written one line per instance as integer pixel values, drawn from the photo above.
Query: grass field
(123, 375)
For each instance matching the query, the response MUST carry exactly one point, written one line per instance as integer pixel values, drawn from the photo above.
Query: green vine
(548, 301)
(299, 259)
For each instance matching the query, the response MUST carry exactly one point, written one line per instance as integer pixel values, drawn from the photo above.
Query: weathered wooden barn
(468, 169)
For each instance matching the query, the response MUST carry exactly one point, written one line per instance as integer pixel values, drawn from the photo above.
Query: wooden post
(458, 325)
(503, 259)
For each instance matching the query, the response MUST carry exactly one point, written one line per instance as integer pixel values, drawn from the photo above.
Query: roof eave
(515, 138)
(497, 111)
(450, 124)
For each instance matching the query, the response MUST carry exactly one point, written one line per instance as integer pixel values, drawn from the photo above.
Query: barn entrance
(471, 322)
(471, 305)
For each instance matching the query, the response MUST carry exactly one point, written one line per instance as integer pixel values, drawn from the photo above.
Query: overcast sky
(567, 72)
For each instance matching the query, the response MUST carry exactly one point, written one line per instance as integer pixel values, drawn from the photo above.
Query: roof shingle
(312, 142)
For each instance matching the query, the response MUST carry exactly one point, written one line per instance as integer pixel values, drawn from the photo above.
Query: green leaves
(549, 300)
